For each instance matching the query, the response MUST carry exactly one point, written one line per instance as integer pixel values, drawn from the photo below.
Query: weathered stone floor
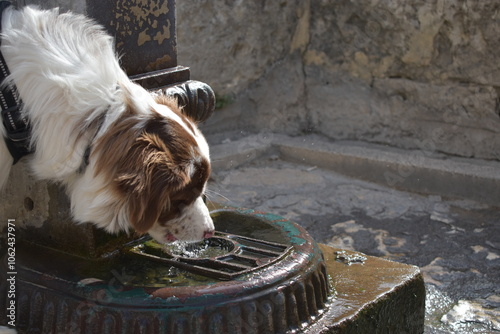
(456, 243)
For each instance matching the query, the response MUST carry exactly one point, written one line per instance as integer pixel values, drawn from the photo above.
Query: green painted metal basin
(273, 281)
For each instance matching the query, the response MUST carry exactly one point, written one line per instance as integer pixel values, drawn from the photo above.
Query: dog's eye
(173, 211)
(179, 204)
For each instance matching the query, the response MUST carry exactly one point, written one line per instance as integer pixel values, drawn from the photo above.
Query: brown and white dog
(146, 165)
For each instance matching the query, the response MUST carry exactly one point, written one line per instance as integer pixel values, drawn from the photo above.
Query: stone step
(372, 295)
(414, 171)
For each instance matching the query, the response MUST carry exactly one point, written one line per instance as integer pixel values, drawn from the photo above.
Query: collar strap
(18, 134)
(98, 123)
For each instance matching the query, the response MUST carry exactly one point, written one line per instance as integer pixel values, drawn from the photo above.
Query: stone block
(372, 295)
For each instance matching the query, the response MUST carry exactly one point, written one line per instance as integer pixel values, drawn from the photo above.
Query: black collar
(18, 136)
(98, 123)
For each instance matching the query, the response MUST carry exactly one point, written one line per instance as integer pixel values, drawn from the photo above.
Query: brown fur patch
(168, 101)
(149, 159)
(189, 193)
(148, 177)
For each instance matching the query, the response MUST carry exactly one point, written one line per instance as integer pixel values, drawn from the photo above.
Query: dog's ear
(148, 177)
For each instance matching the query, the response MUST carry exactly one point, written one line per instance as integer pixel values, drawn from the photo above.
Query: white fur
(67, 75)
(191, 225)
(61, 74)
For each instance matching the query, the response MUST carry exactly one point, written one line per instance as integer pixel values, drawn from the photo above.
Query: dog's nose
(208, 234)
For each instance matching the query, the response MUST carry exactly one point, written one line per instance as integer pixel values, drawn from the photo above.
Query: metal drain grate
(239, 255)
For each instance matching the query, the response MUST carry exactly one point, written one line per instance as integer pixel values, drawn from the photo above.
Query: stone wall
(413, 74)
(244, 51)
(410, 73)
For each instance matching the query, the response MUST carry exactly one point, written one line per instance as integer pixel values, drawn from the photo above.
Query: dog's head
(155, 164)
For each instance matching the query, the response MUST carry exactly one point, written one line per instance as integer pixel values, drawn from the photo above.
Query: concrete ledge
(416, 171)
(373, 295)
(239, 152)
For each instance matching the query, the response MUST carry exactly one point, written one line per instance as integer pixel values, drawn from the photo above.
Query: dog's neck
(86, 155)
(18, 134)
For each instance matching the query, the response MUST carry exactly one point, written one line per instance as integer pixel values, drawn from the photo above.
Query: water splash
(207, 248)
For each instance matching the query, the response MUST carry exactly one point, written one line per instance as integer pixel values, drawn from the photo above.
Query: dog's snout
(170, 237)
(208, 234)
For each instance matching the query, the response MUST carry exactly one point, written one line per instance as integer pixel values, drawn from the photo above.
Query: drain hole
(29, 204)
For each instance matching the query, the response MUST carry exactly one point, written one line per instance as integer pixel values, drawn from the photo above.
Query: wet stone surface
(456, 243)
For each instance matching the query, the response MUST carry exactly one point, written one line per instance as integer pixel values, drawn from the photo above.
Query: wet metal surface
(372, 296)
(119, 293)
(231, 256)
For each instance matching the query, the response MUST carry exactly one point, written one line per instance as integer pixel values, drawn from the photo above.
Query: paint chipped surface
(144, 32)
(145, 19)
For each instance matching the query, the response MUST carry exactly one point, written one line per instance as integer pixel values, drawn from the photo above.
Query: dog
(127, 158)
